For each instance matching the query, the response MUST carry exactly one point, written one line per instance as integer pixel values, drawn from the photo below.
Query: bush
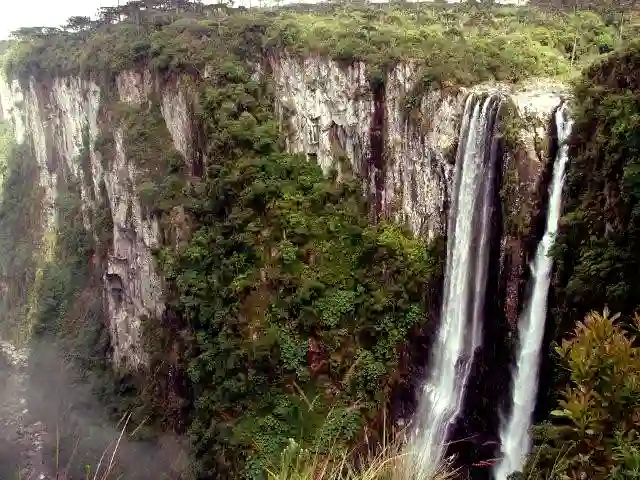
(594, 433)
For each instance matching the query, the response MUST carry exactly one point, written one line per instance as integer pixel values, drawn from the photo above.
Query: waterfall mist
(53, 424)
(460, 330)
(514, 435)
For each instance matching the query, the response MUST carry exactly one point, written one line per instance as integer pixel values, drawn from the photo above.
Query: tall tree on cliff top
(78, 23)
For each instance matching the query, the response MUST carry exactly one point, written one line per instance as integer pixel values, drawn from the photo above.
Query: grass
(386, 459)
(389, 462)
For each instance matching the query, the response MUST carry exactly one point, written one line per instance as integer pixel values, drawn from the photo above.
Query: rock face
(526, 174)
(333, 112)
(330, 112)
(61, 120)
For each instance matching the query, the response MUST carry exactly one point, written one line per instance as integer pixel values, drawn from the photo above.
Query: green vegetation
(386, 461)
(594, 432)
(287, 291)
(286, 309)
(49, 277)
(496, 43)
(598, 245)
(281, 297)
(21, 225)
(159, 166)
(68, 308)
(493, 44)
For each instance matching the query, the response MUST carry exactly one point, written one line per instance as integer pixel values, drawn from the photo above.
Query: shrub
(594, 432)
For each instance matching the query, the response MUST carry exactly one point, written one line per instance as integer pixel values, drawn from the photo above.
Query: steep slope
(154, 138)
(63, 118)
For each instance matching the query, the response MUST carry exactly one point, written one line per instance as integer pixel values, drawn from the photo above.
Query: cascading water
(514, 436)
(460, 331)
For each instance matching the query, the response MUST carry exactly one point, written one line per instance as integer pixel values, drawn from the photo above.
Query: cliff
(190, 206)
(329, 111)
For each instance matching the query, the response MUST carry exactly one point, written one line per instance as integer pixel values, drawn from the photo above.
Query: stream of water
(460, 331)
(514, 435)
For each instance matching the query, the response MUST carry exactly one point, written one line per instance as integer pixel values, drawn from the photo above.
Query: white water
(514, 436)
(460, 331)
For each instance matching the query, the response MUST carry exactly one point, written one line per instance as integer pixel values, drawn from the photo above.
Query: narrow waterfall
(460, 330)
(514, 435)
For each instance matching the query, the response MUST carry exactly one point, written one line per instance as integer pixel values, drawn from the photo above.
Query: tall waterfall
(514, 436)
(460, 331)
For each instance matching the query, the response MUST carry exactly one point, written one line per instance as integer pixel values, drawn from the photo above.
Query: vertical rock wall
(62, 118)
(330, 111)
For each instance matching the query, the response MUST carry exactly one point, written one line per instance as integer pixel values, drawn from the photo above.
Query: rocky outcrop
(329, 111)
(525, 177)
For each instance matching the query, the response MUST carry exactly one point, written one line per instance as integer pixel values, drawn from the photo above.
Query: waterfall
(514, 436)
(460, 330)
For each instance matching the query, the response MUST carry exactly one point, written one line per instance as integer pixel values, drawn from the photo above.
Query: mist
(53, 426)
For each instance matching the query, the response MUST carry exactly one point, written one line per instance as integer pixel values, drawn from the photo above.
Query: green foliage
(386, 460)
(500, 43)
(159, 166)
(68, 308)
(51, 280)
(595, 431)
(21, 219)
(507, 44)
(286, 290)
(186, 45)
(599, 238)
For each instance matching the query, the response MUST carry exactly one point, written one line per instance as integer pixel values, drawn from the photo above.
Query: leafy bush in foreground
(595, 432)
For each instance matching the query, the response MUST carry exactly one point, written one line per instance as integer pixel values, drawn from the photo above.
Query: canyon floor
(52, 427)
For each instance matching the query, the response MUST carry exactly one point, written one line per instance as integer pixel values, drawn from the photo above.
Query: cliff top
(452, 45)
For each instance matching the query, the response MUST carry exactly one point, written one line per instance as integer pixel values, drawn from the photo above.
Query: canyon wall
(329, 112)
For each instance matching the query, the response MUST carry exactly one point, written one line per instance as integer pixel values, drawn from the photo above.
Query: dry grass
(389, 461)
(103, 470)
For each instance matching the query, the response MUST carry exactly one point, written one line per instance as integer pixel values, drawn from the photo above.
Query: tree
(28, 33)
(110, 14)
(78, 23)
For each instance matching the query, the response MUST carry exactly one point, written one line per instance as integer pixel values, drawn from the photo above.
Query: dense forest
(291, 309)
